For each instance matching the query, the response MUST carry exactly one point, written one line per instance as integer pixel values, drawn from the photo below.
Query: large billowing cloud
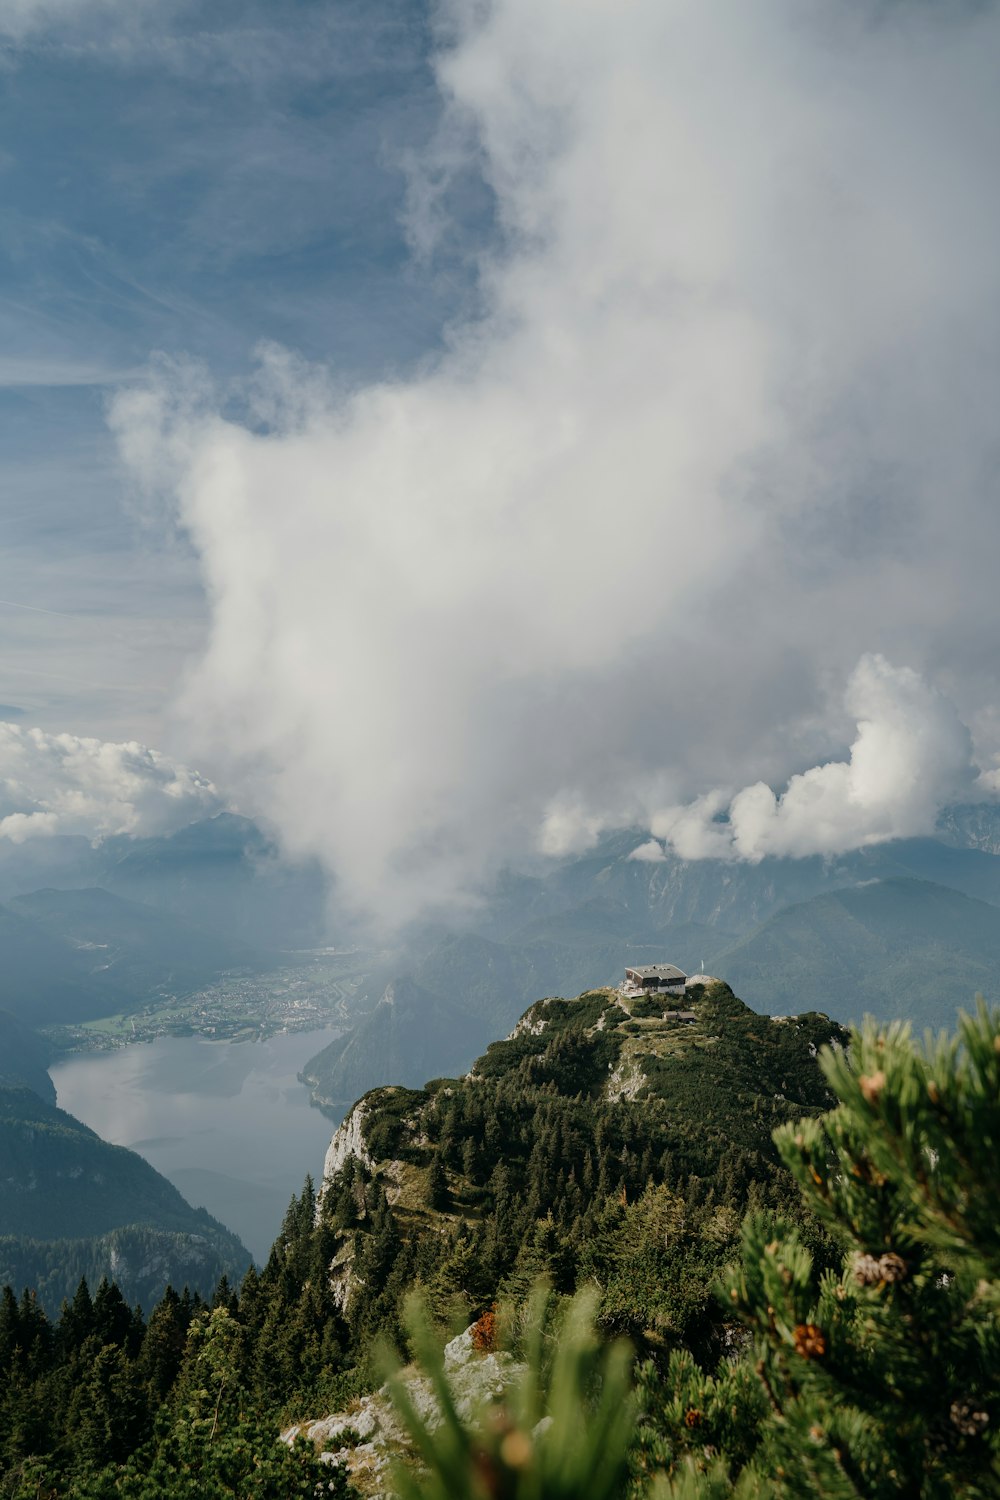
(61, 783)
(724, 425)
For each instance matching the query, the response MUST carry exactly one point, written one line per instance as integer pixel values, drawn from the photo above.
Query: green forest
(734, 1256)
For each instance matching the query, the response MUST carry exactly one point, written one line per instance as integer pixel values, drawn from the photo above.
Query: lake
(227, 1122)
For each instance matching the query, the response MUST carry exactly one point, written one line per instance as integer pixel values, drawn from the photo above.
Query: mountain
(222, 875)
(732, 897)
(576, 923)
(467, 988)
(45, 978)
(896, 947)
(599, 1137)
(131, 946)
(973, 825)
(71, 955)
(72, 1205)
(563, 953)
(226, 875)
(603, 1144)
(24, 1059)
(410, 1033)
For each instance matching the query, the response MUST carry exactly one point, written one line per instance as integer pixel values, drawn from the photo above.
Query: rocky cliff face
(348, 1140)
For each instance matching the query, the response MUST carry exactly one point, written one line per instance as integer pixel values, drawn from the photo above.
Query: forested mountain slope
(595, 1117)
(73, 1205)
(24, 1058)
(603, 1145)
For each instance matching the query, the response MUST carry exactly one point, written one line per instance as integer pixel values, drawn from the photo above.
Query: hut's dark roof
(656, 971)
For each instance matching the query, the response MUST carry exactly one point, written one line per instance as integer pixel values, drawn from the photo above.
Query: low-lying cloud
(725, 426)
(911, 756)
(64, 784)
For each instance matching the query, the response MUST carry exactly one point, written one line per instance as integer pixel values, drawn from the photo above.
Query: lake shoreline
(233, 1127)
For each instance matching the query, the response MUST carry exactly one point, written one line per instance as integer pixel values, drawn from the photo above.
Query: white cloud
(649, 853)
(725, 425)
(64, 784)
(569, 827)
(693, 831)
(911, 756)
(20, 18)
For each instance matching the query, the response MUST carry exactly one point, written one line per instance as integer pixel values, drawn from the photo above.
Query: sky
(449, 432)
(179, 180)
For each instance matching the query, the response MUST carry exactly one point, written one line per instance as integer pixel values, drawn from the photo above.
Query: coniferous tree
(76, 1320)
(438, 1195)
(163, 1345)
(879, 1379)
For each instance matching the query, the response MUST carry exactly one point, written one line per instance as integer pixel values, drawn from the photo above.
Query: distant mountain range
(222, 875)
(72, 955)
(907, 926)
(891, 948)
(910, 928)
(410, 1031)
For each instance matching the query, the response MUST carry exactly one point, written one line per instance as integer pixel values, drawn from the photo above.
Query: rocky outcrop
(532, 1023)
(625, 1080)
(348, 1140)
(368, 1435)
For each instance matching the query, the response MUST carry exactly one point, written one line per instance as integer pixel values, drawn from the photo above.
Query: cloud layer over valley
(723, 429)
(65, 784)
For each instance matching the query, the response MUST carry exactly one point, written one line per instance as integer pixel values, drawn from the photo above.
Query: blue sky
(453, 432)
(189, 179)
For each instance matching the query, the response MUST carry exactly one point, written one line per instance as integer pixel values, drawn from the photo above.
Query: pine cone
(810, 1341)
(866, 1270)
(969, 1422)
(892, 1267)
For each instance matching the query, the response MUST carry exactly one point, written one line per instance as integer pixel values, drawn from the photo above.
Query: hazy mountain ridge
(891, 948)
(579, 923)
(561, 928)
(971, 825)
(222, 874)
(410, 1032)
(74, 955)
